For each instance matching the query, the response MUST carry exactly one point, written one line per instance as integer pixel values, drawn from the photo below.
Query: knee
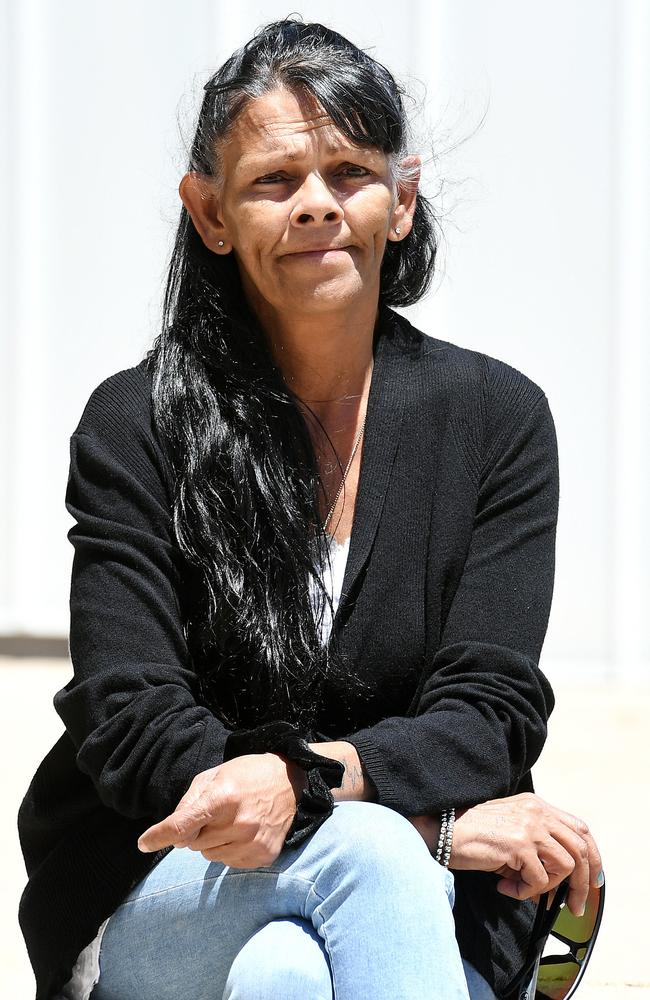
(382, 837)
(375, 830)
(285, 958)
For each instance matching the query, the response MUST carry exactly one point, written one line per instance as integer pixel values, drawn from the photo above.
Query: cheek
(371, 216)
(259, 233)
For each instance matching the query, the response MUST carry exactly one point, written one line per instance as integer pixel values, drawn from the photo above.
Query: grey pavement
(595, 765)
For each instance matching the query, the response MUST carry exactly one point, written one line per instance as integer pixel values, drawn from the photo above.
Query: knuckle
(581, 827)
(529, 805)
(569, 865)
(227, 792)
(178, 829)
(519, 840)
(530, 828)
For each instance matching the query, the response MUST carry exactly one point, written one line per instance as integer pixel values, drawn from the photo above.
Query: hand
(531, 843)
(238, 812)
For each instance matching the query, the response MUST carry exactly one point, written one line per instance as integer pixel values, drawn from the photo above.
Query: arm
(130, 707)
(480, 719)
(357, 784)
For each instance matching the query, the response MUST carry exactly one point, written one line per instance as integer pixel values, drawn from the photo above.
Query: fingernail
(581, 912)
(143, 847)
(600, 881)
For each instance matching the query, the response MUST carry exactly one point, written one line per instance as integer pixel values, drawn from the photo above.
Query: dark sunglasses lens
(566, 949)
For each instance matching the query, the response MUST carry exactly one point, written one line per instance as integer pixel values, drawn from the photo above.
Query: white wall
(545, 213)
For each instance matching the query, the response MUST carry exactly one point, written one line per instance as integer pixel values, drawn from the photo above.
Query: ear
(200, 199)
(402, 214)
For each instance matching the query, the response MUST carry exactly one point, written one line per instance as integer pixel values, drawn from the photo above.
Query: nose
(315, 202)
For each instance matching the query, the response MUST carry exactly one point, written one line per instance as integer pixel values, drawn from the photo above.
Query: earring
(220, 243)
(397, 229)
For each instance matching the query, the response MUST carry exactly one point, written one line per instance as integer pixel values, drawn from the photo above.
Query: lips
(317, 250)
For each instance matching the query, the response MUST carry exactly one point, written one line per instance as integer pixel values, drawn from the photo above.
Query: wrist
(295, 774)
(457, 858)
(445, 839)
(357, 785)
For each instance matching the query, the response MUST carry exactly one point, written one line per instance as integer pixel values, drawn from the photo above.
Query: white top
(333, 582)
(85, 973)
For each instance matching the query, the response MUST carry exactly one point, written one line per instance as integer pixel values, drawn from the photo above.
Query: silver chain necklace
(347, 468)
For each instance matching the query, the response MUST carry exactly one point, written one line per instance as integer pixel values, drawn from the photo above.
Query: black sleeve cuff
(323, 773)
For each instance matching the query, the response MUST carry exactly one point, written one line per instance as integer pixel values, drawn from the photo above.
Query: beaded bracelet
(443, 850)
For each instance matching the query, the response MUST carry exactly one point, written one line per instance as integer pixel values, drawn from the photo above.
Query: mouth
(322, 252)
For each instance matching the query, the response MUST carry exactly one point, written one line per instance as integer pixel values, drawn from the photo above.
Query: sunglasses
(560, 946)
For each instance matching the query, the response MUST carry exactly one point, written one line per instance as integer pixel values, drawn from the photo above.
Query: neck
(326, 359)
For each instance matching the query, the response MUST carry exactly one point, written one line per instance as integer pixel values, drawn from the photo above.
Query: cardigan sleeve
(130, 708)
(480, 720)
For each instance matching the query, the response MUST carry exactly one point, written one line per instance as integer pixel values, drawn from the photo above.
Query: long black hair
(246, 481)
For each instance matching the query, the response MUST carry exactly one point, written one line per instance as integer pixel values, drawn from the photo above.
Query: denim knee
(285, 958)
(383, 837)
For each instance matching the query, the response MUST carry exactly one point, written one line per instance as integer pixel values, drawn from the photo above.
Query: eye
(269, 179)
(277, 177)
(353, 166)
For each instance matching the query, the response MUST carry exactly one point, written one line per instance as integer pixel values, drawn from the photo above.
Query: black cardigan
(444, 609)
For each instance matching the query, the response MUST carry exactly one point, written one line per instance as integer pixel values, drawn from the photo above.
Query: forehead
(284, 124)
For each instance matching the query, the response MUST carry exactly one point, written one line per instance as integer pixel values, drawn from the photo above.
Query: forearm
(356, 784)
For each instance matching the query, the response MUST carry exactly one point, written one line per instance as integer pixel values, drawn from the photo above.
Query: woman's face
(306, 214)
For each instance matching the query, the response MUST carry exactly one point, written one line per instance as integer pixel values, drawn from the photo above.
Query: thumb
(178, 829)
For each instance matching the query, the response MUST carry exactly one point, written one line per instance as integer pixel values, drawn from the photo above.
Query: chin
(334, 293)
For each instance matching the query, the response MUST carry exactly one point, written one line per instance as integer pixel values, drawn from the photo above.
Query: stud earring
(397, 229)
(220, 243)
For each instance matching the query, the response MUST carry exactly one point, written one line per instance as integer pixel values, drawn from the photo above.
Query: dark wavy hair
(246, 481)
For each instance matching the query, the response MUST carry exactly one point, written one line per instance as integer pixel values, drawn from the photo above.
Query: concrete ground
(595, 765)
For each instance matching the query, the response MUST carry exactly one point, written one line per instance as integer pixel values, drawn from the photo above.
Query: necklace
(347, 468)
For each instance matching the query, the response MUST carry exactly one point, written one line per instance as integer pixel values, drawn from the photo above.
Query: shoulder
(119, 404)
(117, 421)
(482, 375)
(485, 399)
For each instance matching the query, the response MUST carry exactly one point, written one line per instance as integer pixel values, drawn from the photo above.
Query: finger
(188, 841)
(230, 854)
(242, 854)
(580, 877)
(578, 826)
(532, 878)
(174, 829)
(197, 797)
(210, 837)
(557, 861)
(554, 879)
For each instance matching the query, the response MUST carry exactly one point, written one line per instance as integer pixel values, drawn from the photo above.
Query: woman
(298, 508)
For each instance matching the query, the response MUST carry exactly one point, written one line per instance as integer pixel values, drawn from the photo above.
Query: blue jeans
(359, 909)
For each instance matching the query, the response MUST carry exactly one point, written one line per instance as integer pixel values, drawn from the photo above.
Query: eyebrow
(263, 159)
